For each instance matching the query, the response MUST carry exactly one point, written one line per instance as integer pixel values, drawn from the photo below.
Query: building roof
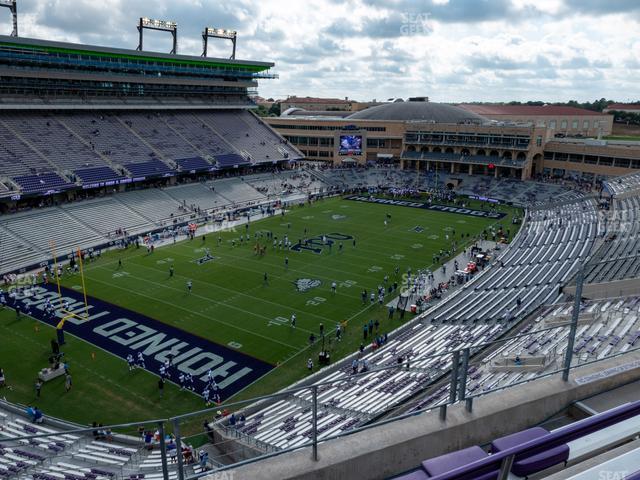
(418, 111)
(528, 110)
(316, 100)
(624, 106)
(300, 112)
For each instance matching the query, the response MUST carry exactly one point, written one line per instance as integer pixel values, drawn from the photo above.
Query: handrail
(541, 444)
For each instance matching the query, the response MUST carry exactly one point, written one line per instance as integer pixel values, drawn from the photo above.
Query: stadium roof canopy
(419, 111)
(90, 51)
(535, 110)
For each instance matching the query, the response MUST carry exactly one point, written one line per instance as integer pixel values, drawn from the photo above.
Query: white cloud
(450, 50)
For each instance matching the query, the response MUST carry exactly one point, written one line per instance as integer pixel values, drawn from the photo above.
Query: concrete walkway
(442, 276)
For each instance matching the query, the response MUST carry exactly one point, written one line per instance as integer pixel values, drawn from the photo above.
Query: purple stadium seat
(450, 461)
(418, 474)
(152, 168)
(230, 160)
(197, 164)
(524, 464)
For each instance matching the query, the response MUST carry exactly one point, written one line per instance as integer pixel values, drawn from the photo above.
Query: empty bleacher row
(606, 328)
(624, 185)
(286, 183)
(619, 256)
(345, 403)
(77, 456)
(545, 254)
(88, 147)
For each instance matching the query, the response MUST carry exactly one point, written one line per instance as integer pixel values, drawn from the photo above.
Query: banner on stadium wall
(122, 332)
(433, 207)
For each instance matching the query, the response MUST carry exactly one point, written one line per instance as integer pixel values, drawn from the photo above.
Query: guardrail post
(455, 366)
(469, 404)
(443, 412)
(462, 391)
(176, 432)
(163, 451)
(314, 427)
(568, 356)
(505, 468)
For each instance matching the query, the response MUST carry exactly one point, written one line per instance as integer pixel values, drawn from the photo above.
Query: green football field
(232, 305)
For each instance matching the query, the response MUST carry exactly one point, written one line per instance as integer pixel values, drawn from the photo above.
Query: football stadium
(407, 290)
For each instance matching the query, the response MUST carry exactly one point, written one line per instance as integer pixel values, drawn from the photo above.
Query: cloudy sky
(449, 50)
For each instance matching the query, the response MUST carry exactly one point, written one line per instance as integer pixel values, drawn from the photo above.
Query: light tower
(162, 25)
(210, 32)
(13, 8)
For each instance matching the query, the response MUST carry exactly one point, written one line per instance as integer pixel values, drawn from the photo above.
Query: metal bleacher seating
(78, 456)
(96, 147)
(619, 256)
(613, 329)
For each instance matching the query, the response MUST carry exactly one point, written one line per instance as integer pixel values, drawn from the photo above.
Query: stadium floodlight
(223, 33)
(162, 25)
(13, 7)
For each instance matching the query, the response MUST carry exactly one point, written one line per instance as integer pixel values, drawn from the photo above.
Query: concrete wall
(399, 446)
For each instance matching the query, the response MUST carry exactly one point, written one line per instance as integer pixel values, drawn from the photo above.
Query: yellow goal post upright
(66, 313)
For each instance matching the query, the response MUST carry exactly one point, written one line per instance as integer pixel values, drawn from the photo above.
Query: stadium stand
(94, 455)
(529, 273)
(618, 258)
(626, 184)
(43, 152)
(606, 328)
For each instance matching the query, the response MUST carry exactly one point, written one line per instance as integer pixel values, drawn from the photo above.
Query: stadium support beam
(209, 32)
(13, 8)
(161, 25)
(568, 356)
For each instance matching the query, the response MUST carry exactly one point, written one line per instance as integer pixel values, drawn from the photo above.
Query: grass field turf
(231, 304)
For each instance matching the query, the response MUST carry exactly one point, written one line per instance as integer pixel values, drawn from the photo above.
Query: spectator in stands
(38, 417)
(30, 412)
(148, 440)
(204, 459)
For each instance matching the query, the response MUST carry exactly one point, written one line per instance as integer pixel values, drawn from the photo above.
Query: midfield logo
(306, 284)
(205, 259)
(318, 243)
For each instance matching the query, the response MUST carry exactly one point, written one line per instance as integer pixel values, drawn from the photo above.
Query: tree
(274, 111)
